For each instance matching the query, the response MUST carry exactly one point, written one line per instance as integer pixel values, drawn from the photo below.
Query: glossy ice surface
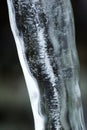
(44, 35)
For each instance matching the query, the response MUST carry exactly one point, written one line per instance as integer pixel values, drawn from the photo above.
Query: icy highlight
(44, 35)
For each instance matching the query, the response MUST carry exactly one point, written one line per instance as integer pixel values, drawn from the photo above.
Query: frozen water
(44, 35)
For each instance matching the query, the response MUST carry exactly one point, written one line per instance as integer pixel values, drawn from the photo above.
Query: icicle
(44, 35)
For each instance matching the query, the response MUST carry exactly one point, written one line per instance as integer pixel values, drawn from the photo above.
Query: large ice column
(44, 35)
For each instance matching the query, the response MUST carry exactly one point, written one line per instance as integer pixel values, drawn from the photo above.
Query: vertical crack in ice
(44, 59)
(53, 103)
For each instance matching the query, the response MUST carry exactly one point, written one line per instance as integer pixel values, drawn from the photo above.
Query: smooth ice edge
(30, 81)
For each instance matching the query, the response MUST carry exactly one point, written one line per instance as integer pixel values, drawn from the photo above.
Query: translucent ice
(44, 35)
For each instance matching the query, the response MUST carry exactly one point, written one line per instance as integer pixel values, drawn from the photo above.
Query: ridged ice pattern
(44, 34)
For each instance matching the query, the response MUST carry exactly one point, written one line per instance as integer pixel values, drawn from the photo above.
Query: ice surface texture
(44, 35)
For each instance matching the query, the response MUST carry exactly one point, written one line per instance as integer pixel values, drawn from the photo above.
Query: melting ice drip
(44, 34)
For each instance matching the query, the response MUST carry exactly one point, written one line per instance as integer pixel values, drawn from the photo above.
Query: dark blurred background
(15, 110)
